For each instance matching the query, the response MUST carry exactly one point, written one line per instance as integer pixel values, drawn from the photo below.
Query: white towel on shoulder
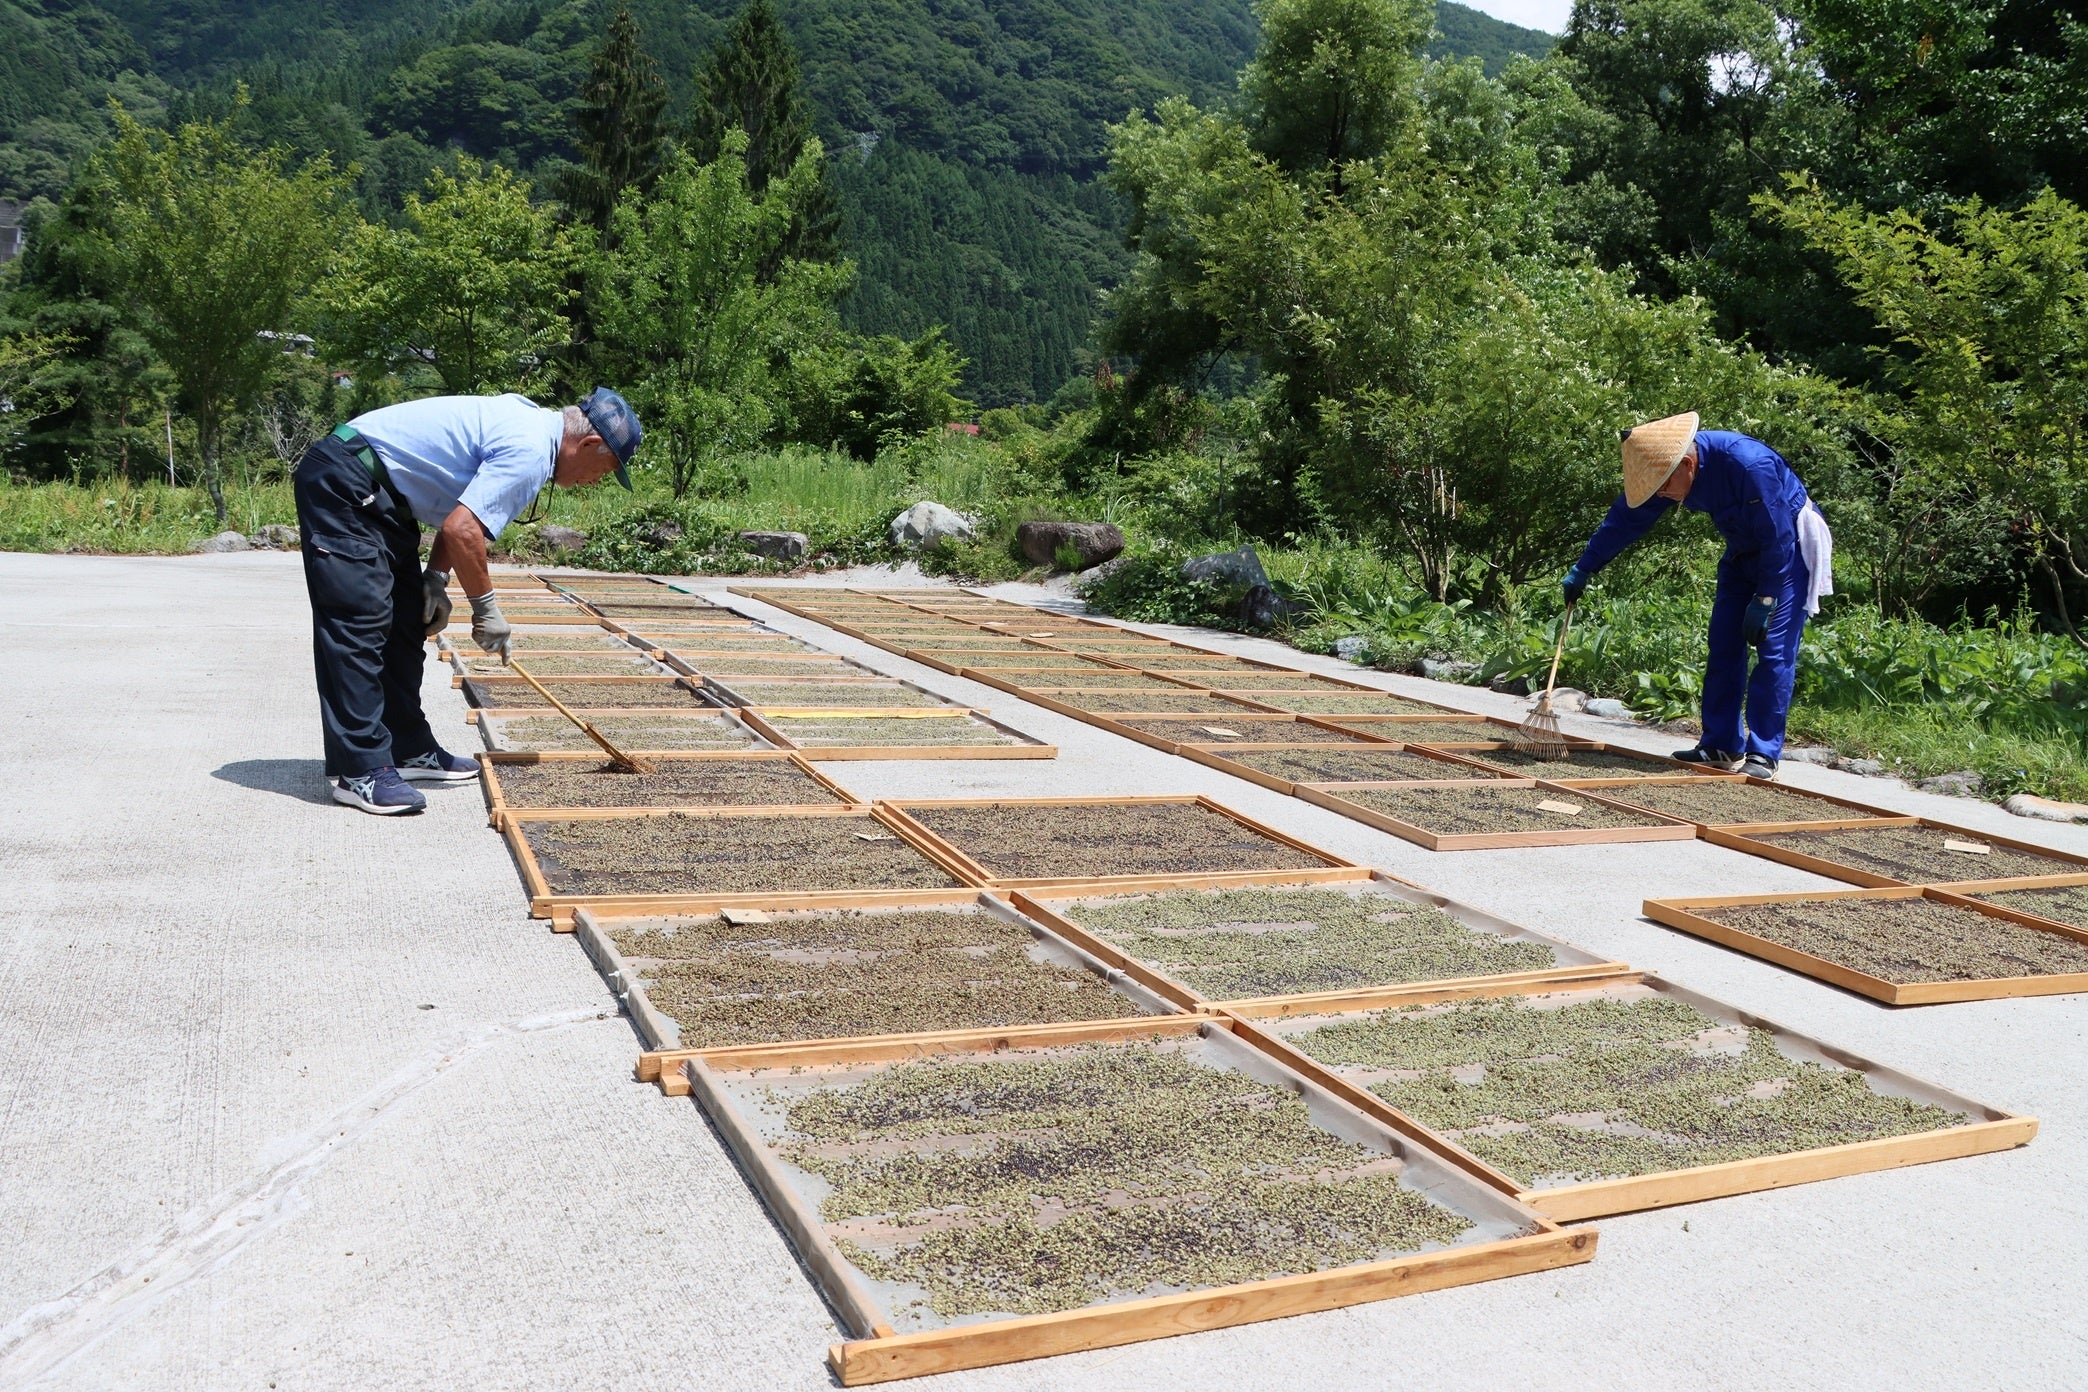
(1816, 546)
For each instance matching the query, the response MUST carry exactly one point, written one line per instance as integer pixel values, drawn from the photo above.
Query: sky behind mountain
(1548, 15)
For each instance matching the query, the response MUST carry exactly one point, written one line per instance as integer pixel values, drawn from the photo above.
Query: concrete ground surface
(296, 1098)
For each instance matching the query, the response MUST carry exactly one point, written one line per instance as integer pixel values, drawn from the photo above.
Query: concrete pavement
(292, 1097)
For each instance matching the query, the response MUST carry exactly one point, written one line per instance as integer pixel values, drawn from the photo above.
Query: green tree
(858, 395)
(1333, 80)
(1987, 313)
(214, 247)
(750, 84)
(472, 284)
(32, 384)
(686, 316)
(619, 119)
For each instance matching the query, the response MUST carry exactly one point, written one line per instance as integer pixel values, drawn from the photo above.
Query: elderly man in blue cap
(464, 466)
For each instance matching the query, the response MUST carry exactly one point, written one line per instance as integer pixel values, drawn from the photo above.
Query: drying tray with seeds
(567, 642)
(1335, 763)
(1904, 946)
(996, 660)
(2059, 903)
(629, 663)
(517, 782)
(1105, 839)
(1287, 940)
(1181, 700)
(1247, 727)
(1607, 1096)
(1484, 816)
(1337, 702)
(658, 731)
(1114, 1185)
(581, 693)
(761, 977)
(1920, 853)
(955, 729)
(703, 645)
(840, 694)
(1595, 762)
(1281, 680)
(1729, 801)
(1470, 729)
(729, 668)
(1058, 683)
(713, 853)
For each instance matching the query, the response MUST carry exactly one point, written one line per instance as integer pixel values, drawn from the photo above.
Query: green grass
(122, 518)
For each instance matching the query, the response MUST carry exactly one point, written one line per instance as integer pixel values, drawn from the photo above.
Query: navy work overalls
(1753, 499)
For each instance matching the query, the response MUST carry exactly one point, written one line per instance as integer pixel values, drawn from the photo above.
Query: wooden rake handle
(1565, 627)
(622, 759)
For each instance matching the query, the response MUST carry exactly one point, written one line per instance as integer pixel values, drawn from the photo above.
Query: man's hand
(1754, 624)
(435, 601)
(488, 629)
(1574, 585)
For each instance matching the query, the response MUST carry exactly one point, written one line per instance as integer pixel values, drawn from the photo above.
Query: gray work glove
(488, 629)
(435, 601)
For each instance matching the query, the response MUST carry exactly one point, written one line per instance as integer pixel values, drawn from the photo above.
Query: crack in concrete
(50, 1334)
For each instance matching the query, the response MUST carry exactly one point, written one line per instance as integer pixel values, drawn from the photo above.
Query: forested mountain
(964, 135)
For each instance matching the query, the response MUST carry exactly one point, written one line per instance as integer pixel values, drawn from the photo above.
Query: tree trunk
(213, 478)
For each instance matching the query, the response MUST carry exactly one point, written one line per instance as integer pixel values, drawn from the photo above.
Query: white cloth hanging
(1816, 546)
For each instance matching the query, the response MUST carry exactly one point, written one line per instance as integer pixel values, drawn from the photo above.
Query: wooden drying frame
(494, 685)
(1214, 756)
(1613, 790)
(1337, 869)
(1042, 905)
(1165, 745)
(1683, 914)
(663, 1051)
(544, 902)
(875, 1353)
(757, 719)
(1475, 752)
(1996, 1130)
(1328, 795)
(498, 810)
(1742, 838)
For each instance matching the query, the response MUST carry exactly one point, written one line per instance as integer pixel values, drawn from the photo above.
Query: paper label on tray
(1564, 809)
(874, 836)
(737, 918)
(1968, 847)
(1220, 731)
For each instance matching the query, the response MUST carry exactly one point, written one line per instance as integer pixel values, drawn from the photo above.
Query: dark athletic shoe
(381, 792)
(438, 766)
(1709, 758)
(1761, 770)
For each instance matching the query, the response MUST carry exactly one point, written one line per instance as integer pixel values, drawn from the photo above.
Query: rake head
(1539, 735)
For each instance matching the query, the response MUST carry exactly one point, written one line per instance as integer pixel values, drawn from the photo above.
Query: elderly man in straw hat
(1778, 562)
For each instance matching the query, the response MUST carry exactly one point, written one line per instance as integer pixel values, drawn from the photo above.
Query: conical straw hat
(1651, 452)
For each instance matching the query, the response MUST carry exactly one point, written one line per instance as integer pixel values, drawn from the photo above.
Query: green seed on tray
(1347, 764)
(724, 855)
(1918, 855)
(839, 694)
(1909, 940)
(2066, 904)
(1235, 943)
(1029, 841)
(1056, 1179)
(827, 976)
(512, 693)
(1608, 1088)
(1336, 702)
(872, 731)
(673, 783)
(1578, 763)
(1729, 802)
(1477, 808)
(547, 733)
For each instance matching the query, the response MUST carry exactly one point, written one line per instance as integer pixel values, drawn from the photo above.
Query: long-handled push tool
(1539, 734)
(621, 759)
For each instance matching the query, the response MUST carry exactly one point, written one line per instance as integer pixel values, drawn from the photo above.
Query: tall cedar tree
(750, 83)
(619, 117)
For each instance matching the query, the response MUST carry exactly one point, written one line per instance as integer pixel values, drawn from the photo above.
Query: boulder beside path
(1092, 542)
(925, 523)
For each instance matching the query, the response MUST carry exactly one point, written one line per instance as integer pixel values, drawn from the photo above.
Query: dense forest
(966, 136)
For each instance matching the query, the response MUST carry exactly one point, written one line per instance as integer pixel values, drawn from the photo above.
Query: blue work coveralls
(1754, 500)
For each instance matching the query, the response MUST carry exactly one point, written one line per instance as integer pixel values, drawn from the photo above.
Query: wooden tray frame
(1476, 753)
(1612, 790)
(544, 902)
(1328, 795)
(498, 810)
(492, 686)
(757, 719)
(875, 1353)
(1337, 869)
(1214, 756)
(1996, 1130)
(483, 717)
(1742, 838)
(1683, 915)
(1046, 907)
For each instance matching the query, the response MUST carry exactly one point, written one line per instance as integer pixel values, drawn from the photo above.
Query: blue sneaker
(438, 765)
(380, 791)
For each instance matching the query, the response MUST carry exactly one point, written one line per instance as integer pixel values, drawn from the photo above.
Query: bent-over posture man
(465, 466)
(1778, 562)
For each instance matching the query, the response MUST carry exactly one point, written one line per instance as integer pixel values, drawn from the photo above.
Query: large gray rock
(222, 542)
(275, 537)
(1262, 607)
(923, 524)
(663, 533)
(1351, 648)
(1964, 783)
(1811, 754)
(1869, 768)
(777, 546)
(1564, 700)
(2047, 809)
(559, 538)
(1609, 708)
(1241, 567)
(1092, 542)
(1448, 670)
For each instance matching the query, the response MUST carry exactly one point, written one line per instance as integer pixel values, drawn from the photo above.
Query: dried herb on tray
(673, 783)
(1917, 855)
(630, 732)
(844, 695)
(512, 693)
(1476, 808)
(1336, 702)
(1605, 1088)
(871, 731)
(831, 976)
(1231, 944)
(1351, 764)
(1579, 763)
(726, 855)
(1908, 940)
(1248, 728)
(1049, 1180)
(1154, 702)
(1729, 802)
(559, 664)
(1018, 841)
(2066, 904)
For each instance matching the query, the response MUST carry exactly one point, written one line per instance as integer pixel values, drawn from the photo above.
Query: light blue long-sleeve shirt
(491, 454)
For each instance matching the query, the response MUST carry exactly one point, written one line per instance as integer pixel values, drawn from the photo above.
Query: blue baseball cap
(617, 424)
